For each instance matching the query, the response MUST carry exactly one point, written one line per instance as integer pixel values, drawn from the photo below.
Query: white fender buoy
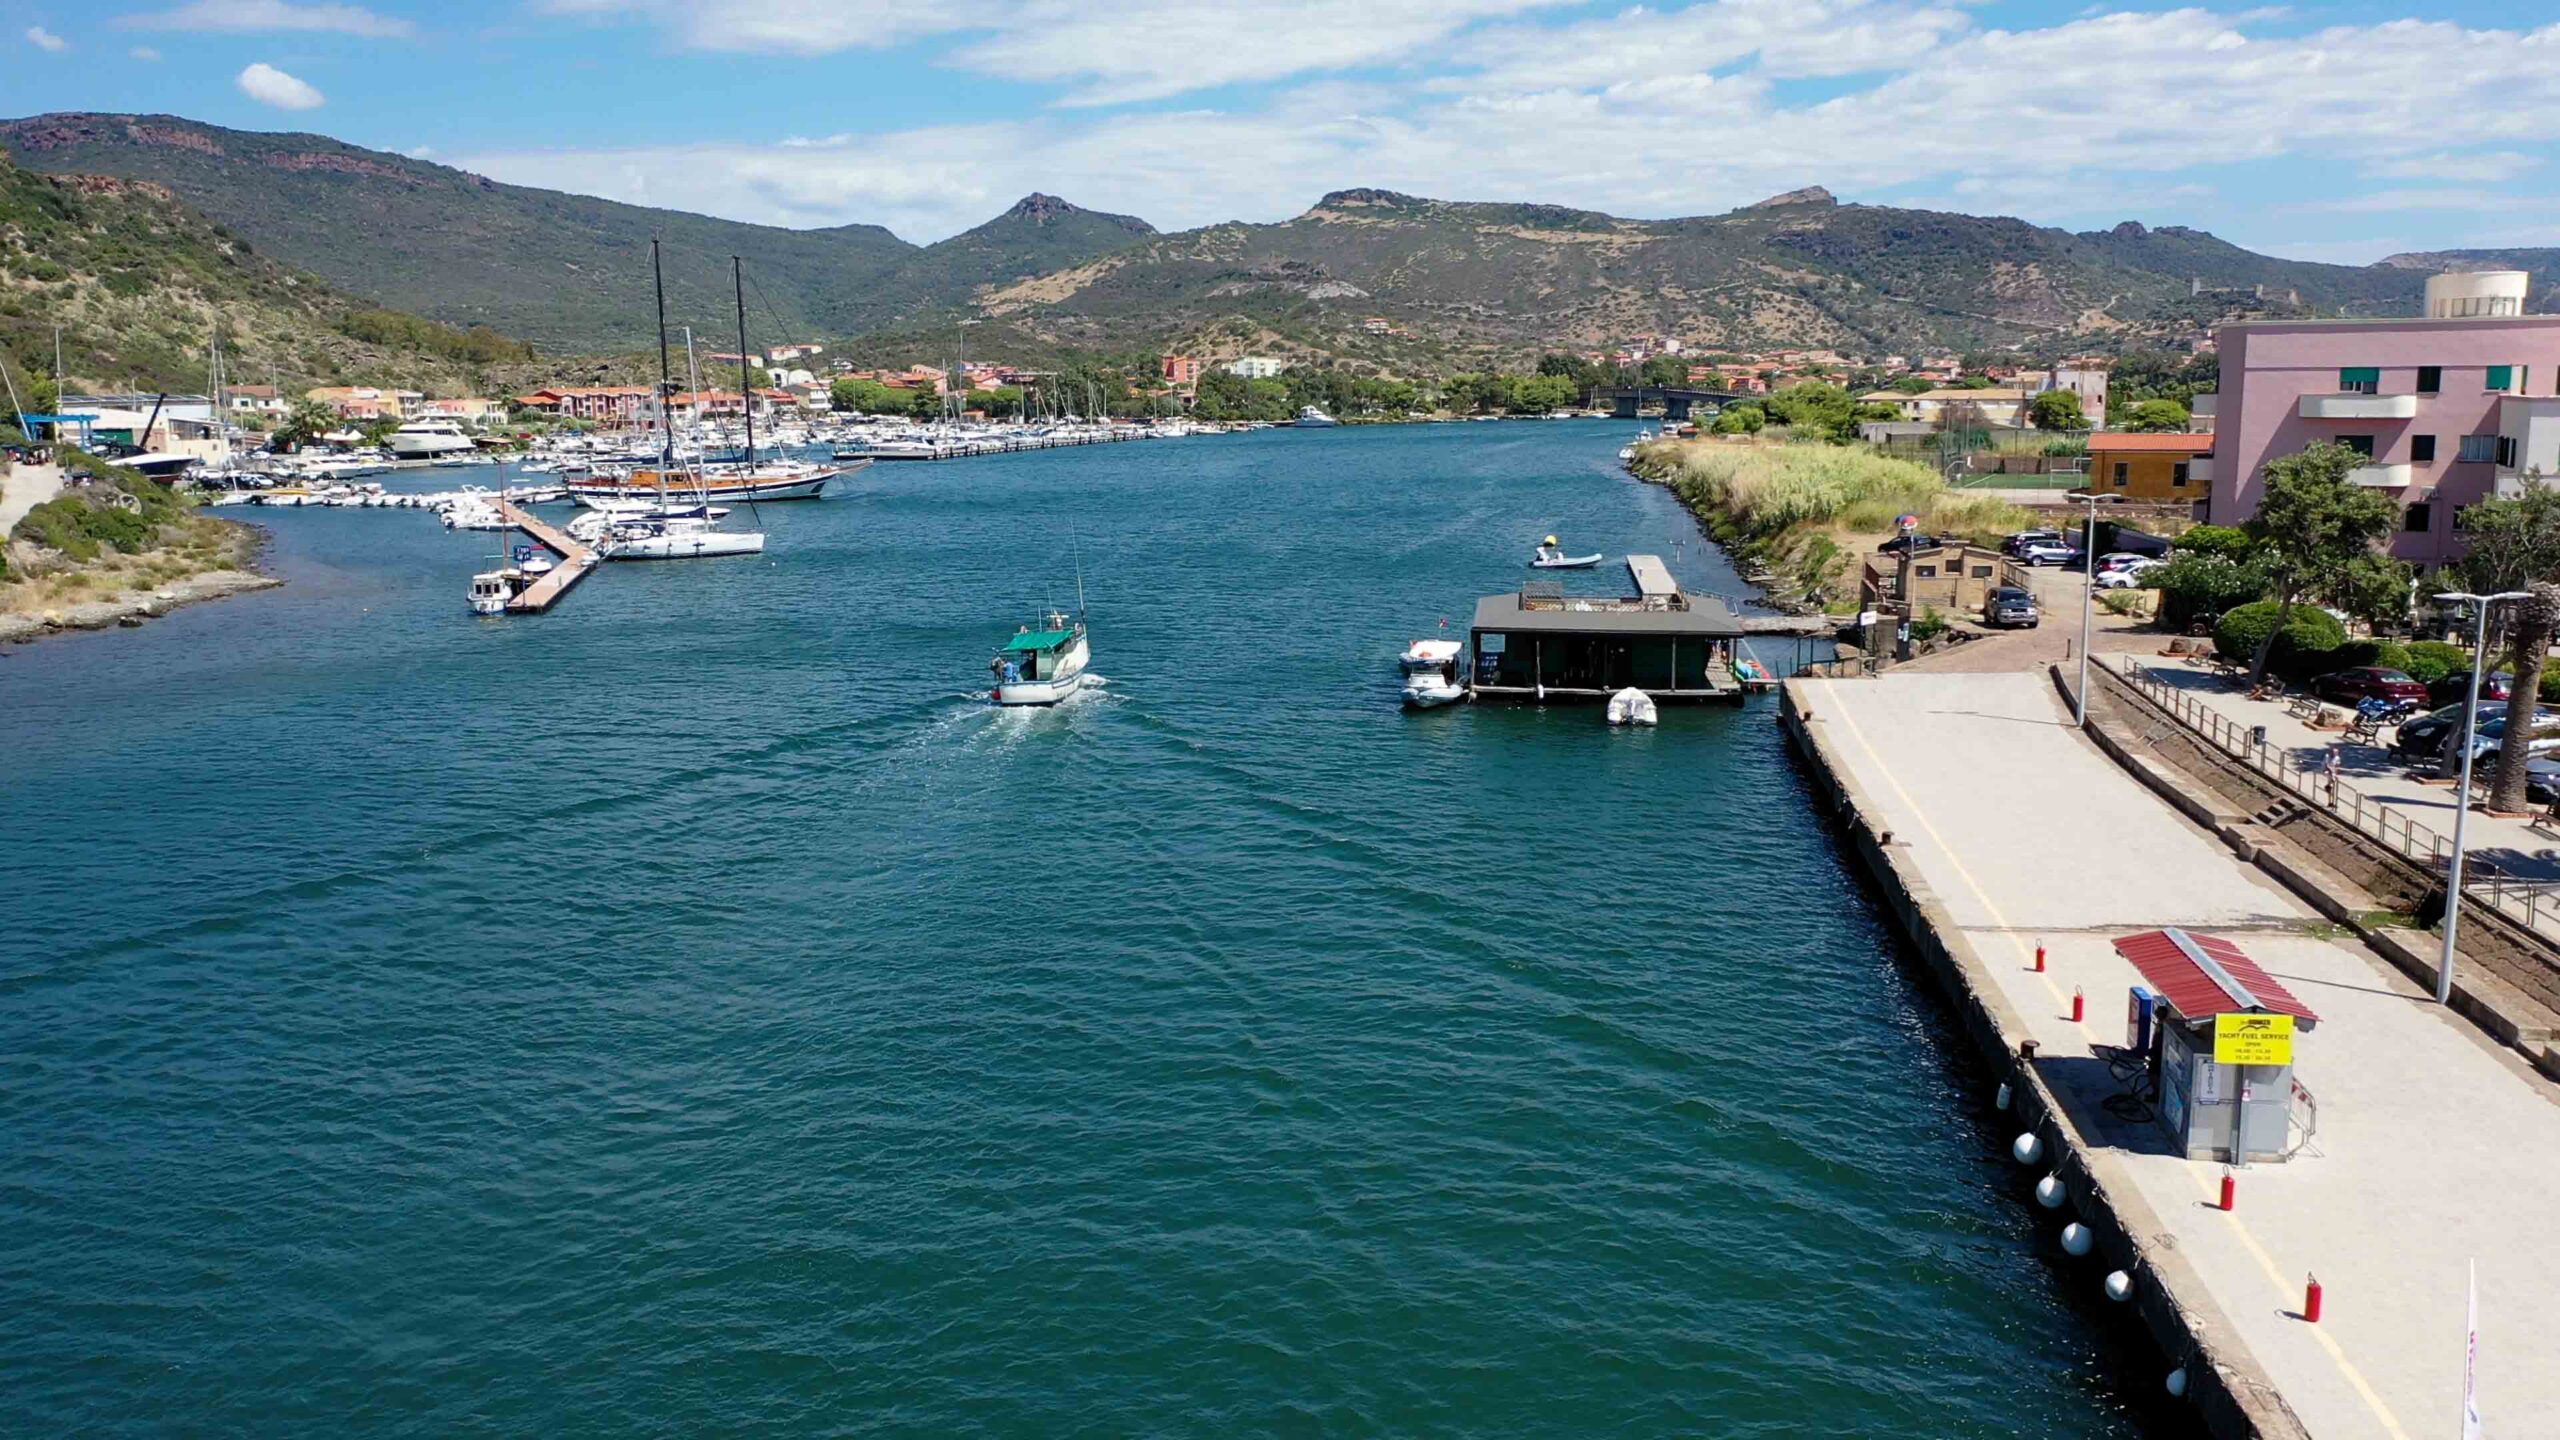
(2028, 1147)
(2119, 1285)
(2000, 1101)
(2050, 1193)
(2178, 1382)
(2076, 1239)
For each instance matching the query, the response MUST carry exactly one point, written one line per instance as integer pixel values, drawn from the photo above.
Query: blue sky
(2334, 132)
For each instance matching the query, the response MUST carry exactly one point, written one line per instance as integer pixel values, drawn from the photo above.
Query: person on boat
(1551, 549)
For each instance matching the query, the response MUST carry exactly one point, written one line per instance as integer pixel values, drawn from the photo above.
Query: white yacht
(1041, 666)
(1311, 418)
(428, 439)
(677, 537)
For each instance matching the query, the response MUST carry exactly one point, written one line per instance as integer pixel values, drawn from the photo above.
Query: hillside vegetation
(137, 282)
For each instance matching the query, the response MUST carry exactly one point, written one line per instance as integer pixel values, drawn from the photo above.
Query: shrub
(2550, 690)
(2204, 584)
(2390, 654)
(2431, 660)
(2228, 540)
(2310, 634)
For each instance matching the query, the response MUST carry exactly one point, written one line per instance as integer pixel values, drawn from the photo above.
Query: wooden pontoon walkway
(575, 561)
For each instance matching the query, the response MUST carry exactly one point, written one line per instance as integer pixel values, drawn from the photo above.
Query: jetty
(2314, 1285)
(576, 561)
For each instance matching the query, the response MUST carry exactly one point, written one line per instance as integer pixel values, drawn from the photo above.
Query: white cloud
(269, 15)
(1682, 112)
(268, 85)
(1128, 51)
(46, 40)
(145, 54)
(419, 152)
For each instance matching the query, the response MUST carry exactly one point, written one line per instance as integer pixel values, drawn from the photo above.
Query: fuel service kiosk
(2218, 1032)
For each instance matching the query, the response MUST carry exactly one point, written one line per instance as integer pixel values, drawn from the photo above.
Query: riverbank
(59, 575)
(2396, 1187)
(18, 626)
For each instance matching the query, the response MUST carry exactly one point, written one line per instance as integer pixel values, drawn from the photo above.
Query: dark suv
(2011, 608)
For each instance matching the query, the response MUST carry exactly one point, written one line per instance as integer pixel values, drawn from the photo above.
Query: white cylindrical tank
(2476, 294)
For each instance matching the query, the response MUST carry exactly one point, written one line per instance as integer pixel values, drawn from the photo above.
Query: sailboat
(670, 531)
(773, 479)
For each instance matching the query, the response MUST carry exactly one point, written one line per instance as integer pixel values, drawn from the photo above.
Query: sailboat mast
(746, 394)
(666, 382)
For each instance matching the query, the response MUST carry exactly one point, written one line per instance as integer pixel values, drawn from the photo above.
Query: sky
(2339, 132)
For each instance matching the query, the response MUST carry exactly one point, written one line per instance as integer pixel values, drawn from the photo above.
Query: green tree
(2057, 410)
(1814, 405)
(1539, 394)
(2375, 589)
(2229, 541)
(2312, 524)
(2515, 545)
(1741, 418)
(2202, 585)
(1666, 370)
(1914, 384)
(307, 421)
(2156, 417)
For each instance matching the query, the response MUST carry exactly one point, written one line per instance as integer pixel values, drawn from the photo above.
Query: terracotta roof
(2194, 991)
(2170, 442)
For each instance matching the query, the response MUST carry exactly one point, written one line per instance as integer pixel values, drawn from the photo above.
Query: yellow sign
(2253, 1039)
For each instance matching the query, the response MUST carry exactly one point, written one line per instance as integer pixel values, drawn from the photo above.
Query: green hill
(137, 282)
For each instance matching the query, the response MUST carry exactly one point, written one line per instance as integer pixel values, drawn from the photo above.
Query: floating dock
(575, 561)
(1540, 644)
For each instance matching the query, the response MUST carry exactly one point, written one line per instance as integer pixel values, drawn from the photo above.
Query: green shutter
(2502, 377)
(2353, 376)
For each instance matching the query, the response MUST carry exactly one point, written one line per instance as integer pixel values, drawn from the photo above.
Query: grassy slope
(137, 282)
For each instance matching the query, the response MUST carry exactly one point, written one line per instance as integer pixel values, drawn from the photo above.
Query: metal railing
(2528, 901)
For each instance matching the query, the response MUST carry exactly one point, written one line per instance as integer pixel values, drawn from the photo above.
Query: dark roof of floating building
(1659, 607)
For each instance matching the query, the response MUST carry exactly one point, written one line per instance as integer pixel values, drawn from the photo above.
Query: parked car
(1915, 542)
(2128, 577)
(2422, 737)
(2369, 682)
(2024, 538)
(2118, 559)
(2011, 608)
(2490, 733)
(2493, 686)
(2048, 552)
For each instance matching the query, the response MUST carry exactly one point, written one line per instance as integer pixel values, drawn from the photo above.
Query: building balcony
(2359, 407)
(2380, 477)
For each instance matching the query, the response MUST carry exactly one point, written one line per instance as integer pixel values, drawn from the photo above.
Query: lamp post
(2088, 602)
(2462, 792)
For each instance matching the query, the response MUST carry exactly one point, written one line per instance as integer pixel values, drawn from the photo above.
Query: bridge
(1675, 401)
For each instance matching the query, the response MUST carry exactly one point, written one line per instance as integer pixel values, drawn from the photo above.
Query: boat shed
(1538, 643)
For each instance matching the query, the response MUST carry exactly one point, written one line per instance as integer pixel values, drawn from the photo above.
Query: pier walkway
(576, 560)
(2434, 1148)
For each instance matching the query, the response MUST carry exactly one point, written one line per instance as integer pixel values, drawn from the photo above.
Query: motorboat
(1041, 664)
(1424, 655)
(1311, 418)
(1550, 556)
(493, 590)
(677, 537)
(429, 439)
(1632, 706)
(472, 512)
(533, 561)
(1430, 690)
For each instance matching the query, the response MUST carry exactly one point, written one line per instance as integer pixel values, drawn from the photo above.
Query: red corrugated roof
(2194, 991)
(2137, 442)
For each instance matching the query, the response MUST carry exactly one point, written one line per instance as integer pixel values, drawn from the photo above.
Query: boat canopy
(1039, 640)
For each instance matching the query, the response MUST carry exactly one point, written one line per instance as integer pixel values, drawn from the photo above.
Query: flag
(2471, 1360)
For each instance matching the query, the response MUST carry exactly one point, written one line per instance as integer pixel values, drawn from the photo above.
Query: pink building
(2430, 400)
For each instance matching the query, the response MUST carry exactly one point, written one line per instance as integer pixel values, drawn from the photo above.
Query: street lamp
(2462, 792)
(2088, 601)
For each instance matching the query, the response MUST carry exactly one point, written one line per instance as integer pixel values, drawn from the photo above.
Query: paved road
(2434, 1147)
(24, 488)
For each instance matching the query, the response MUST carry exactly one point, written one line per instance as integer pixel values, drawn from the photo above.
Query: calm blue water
(693, 1011)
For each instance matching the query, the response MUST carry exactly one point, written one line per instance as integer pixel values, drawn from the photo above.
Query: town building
(1181, 371)
(1996, 406)
(2132, 466)
(365, 402)
(469, 411)
(604, 404)
(1256, 367)
(2446, 408)
(2084, 378)
(256, 400)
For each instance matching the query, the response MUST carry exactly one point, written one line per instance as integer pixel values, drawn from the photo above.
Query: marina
(976, 1017)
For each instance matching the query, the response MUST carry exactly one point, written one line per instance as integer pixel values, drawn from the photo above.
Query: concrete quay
(1993, 826)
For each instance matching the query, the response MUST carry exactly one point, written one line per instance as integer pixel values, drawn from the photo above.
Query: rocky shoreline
(131, 609)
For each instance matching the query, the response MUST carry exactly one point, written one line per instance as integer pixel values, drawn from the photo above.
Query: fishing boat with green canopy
(1043, 663)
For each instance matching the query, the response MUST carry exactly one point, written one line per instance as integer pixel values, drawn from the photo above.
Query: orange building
(2148, 467)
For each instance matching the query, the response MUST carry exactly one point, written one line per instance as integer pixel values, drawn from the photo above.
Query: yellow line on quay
(2275, 1277)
